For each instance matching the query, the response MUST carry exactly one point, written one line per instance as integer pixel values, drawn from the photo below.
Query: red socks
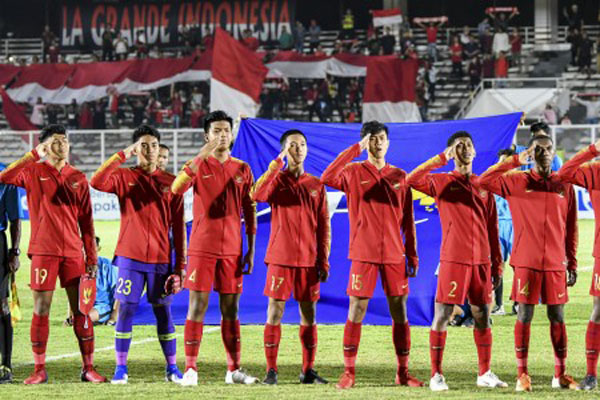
(308, 338)
(558, 334)
(483, 341)
(230, 333)
(39, 339)
(192, 336)
(522, 332)
(592, 346)
(437, 342)
(272, 337)
(84, 330)
(351, 341)
(401, 337)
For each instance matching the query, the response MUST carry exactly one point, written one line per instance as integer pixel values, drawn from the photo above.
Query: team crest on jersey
(396, 185)
(165, 189)
(561, 194)
(314, 193)
(482, 193)
(238, 180)
(75, 185)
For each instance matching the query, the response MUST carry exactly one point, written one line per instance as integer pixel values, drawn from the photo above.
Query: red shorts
(457, 282)
(45, 269)
(595, 289)
(223, 274)
(530, 285)
(363, 279)
(281, 280)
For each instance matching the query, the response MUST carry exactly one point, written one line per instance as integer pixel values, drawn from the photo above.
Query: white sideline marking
(110, 348)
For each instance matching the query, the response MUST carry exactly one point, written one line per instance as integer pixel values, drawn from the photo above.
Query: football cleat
(239, 376)
(311, 376)
(271, 378)
(490, 380)
(588, 383)
(564, 382)
(38, 376)
(120, 377)
(406, 379)
(437, 383)
(190, 378)
(498, 310)
(6, 375)
(89, 374)
(172, 374)
(523, 383)
(346, 381)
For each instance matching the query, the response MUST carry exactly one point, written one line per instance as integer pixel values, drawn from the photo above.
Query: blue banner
(410, 145)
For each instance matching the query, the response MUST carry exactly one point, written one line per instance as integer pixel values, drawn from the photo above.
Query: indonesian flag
(237, 77)
(386, 17)
(17, 120)
(390, 90)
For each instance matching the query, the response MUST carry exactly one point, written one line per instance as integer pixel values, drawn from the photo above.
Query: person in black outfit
(10, 210)
(107, 45)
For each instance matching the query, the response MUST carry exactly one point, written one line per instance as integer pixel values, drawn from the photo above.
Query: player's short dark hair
(97, 241)
(458, 135)
(288, 133)
(144, 130)
(506, 152)
(50, 130)
(539, 126)
(164, 146)
(539, 137)
(216, 116)
(373, 128)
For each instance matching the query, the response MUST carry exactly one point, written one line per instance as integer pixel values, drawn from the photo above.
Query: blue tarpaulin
(410, 145)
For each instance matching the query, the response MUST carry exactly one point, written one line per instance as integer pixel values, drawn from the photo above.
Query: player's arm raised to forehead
(495, 179)
(580, 172)
(106, 177)
(336, 175)
(422, 179)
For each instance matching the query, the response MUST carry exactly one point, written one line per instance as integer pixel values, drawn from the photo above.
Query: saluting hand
(364, 142)
(132, 149)
(285, 152)
(208, 149)
(527, 156)
(450, 153)
(43, 148)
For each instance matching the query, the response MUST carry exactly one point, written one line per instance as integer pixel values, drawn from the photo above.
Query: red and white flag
(390, 90)
(237, 77)
(15, 116)
(386, 17)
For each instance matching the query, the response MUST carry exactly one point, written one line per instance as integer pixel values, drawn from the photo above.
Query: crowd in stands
(485, 52)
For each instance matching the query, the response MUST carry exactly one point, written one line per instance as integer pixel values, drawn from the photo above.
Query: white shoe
(564, 382)
(499, 311)
(437, 383)
(239, 376)
(122, 381)
(490, 380)
(190, 378)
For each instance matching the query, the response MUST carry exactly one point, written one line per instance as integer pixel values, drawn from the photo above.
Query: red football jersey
(544, 213)
(587, 176)
(467, 214)
(148, 211)
(221, 193)
(59, 208)
(300, 232)
(380, 209)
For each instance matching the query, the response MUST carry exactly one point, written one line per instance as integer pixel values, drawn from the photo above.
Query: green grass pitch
(375, 365)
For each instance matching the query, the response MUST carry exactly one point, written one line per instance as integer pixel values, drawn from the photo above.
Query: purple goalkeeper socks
(166, 332)
(123, 330)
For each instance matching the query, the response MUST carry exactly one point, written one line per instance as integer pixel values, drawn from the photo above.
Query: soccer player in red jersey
(544, 214)
(298, 251)
(149, 211)
(61, 226)
(380, 210)
(587, 174)
(221, 185)
(470, 257)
